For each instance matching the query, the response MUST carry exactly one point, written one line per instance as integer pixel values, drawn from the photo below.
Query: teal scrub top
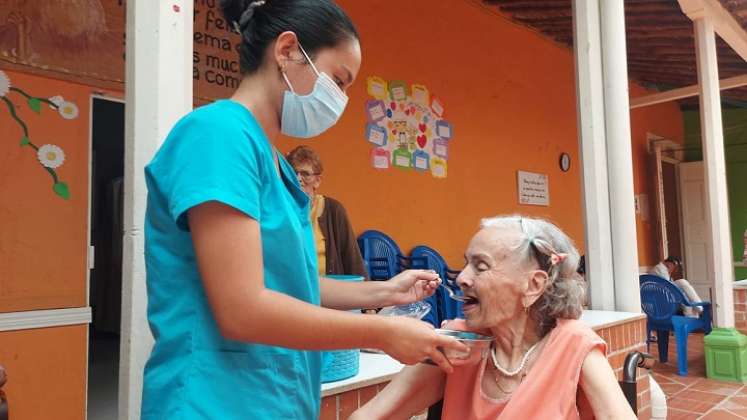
(220, 153)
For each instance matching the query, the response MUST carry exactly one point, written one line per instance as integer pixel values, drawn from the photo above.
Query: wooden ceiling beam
(677, 37)
(724, 23)
(660, 37)
(549, 20)
(685, 92)
(661, 73)
(539, 15)
(663, 67)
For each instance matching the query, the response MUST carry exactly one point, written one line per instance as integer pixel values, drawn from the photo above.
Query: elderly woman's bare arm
(600, 385)
(413, 390)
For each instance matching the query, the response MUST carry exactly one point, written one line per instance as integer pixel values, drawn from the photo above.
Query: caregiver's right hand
(411, 341)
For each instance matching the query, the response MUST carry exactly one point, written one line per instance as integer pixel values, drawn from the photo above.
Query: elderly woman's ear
(535, 287)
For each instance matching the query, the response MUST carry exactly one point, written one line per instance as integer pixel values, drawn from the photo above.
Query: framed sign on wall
(533, 188)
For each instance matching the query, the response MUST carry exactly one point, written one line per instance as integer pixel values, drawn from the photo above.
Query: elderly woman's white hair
(553, 251)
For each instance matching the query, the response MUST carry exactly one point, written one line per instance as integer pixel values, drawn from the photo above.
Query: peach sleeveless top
(548, 391)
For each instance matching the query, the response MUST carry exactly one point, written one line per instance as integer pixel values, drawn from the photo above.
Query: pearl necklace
(521, 365)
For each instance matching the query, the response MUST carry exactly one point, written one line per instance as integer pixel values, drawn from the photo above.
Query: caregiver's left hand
(412, 286)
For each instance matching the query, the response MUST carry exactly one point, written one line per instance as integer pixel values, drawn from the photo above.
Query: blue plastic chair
(662, 300)
(382, 255)
(447, 308)
(384, 260)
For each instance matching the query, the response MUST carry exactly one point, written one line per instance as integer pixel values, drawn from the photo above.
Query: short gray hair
(542, 242)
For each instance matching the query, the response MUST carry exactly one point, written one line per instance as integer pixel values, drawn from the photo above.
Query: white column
(158, 92)
(590, 111)
(717, 207)
(619, 156)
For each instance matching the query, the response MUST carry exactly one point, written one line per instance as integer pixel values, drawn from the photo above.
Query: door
(44, 310)
(695, 261)
(672, 207)
(667, 197)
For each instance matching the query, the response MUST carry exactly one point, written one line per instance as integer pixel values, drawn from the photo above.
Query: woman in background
(336, 247)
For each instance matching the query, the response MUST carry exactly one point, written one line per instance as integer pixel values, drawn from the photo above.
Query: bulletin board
(407, 128)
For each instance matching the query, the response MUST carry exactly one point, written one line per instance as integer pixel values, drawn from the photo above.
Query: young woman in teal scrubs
(235, 304)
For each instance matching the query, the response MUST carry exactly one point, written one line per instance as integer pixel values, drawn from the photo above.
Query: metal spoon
(453, 294)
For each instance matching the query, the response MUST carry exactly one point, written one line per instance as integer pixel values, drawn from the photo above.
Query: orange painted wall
(42, 236)
(664, 121)
(510, 95)
(46, 372)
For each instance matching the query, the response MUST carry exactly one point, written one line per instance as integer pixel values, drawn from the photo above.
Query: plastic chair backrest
(449, 308)
(660, 298)
(432, 259)
(381, 254)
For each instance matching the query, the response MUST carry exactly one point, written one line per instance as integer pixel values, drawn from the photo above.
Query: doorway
(668, 197)
(670, 184)
(105, 284)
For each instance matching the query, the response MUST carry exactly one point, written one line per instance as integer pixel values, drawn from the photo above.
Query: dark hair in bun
(317, 24)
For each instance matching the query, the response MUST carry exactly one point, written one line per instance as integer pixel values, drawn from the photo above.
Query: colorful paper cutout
(420, 94)
(421, 160)
(380, 158)
(437, 107)
(398, 90)
(401, 158)
(376, 110)
(438, 168)
(443, 129)
(377, 87)
(376, 135)
(441, 148)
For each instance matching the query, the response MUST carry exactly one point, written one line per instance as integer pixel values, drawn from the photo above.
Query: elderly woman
(336, 247)
(522, 288)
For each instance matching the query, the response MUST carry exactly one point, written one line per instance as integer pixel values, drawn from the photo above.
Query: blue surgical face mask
(309, 115)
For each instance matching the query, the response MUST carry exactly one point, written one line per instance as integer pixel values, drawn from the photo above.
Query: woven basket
(341, 364)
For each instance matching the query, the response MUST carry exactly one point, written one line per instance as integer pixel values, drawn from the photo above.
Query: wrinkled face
(309, 179)
(494, 279)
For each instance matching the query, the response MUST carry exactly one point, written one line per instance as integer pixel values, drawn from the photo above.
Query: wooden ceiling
(660, 40)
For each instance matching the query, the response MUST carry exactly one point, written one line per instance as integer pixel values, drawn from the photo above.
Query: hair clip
(247, 15)
(556, 258)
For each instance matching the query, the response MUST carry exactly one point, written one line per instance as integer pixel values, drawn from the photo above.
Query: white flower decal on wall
(50, 156)
(4, 84)
(56, 101)
(68, 110)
